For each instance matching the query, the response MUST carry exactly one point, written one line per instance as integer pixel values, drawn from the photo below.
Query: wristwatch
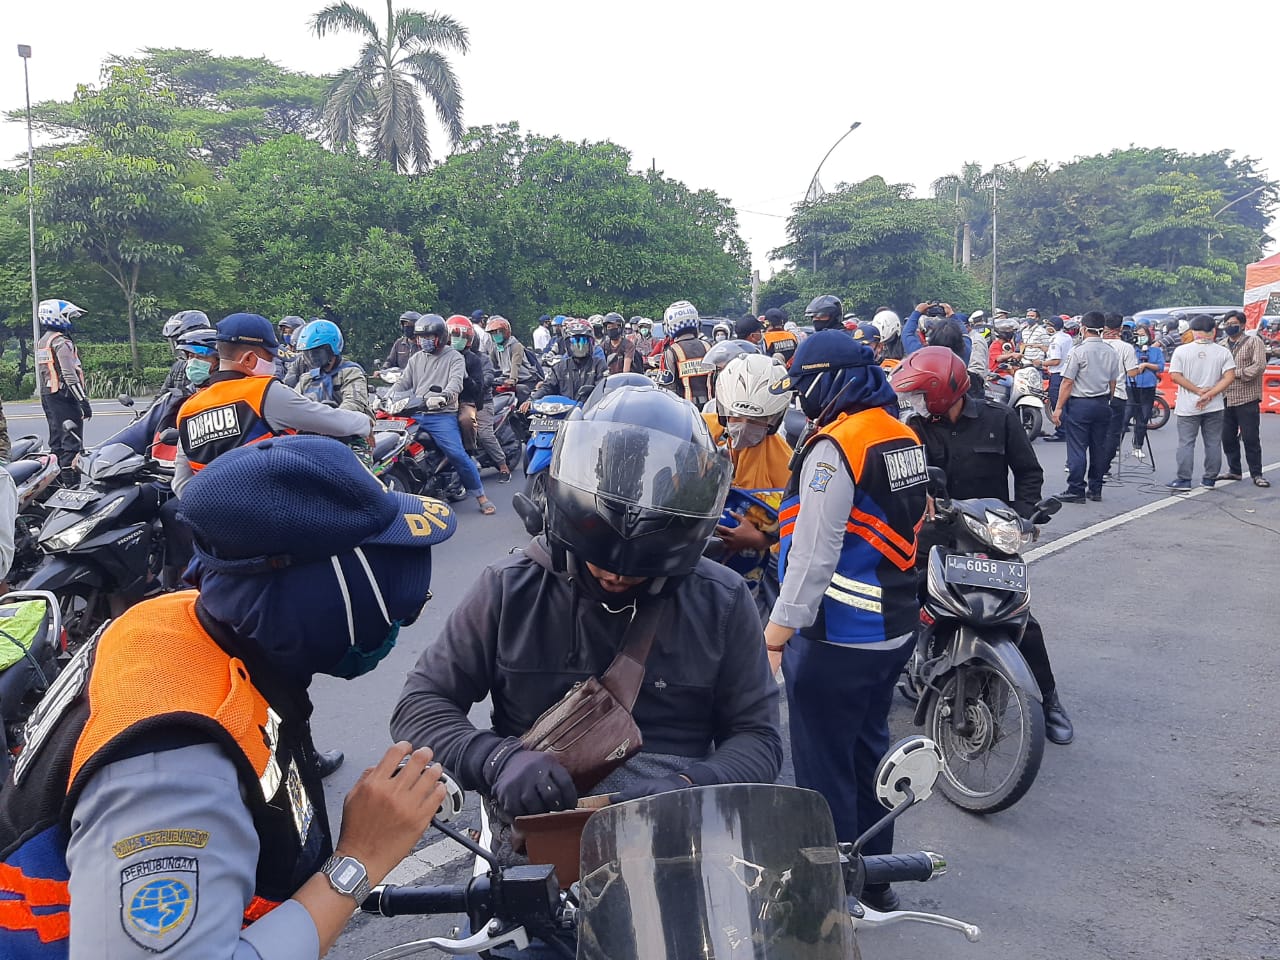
(348, 876)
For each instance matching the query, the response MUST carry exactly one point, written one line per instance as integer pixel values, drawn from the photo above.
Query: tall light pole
(24, 52)
(995, 236)
(812, 194)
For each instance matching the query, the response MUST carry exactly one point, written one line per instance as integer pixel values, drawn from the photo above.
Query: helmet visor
(641, 467)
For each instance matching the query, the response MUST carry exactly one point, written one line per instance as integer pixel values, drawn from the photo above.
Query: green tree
(129, 199)
(377, 99)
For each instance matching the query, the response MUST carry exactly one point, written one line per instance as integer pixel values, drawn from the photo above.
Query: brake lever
(874, 918)
(493, 935)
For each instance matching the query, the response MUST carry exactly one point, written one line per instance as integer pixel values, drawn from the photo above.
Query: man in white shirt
(1036, 337)
(542, 333)
(1060, 345)
(1202, 370)
(1120, 396)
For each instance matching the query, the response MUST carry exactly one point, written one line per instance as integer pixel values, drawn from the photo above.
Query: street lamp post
(24, 51)
(814, 186)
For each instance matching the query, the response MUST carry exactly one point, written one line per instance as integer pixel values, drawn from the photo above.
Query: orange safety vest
(223, 416)
(155, 669)
(47, 360)
(690, 368)
(781, 342)
(889, 363)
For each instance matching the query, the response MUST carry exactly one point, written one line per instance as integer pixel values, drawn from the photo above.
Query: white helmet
(888, 323)
(58, 314)
(680, 317)
(753, 385)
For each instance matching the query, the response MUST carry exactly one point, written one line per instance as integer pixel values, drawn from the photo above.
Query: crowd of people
(173, 792)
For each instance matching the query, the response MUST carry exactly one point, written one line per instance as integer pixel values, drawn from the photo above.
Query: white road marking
(423, 861)
(1102, 526)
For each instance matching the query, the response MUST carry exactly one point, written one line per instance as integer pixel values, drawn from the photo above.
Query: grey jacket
(444, 369)
(524, 634)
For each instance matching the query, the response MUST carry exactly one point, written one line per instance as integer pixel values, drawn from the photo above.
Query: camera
(935, 309)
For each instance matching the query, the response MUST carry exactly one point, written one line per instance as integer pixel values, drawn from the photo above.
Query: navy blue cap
(544, 318)
(478, 314)
(311, 499)
(250, 329)
(867, 333)
(746, 326)
(829, 350)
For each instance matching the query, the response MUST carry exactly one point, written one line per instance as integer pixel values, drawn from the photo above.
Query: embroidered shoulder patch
(158, 901)
(822, 475)
(160, 838)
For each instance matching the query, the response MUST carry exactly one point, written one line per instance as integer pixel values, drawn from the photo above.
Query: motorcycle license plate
(991, 574)
(544, 425)
(72, 499)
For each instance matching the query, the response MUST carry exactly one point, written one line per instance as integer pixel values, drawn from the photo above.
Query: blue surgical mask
(427, 344)
(198, 370)
(499, 338)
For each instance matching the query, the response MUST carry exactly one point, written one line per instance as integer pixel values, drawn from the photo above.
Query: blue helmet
(58, 314)
(558, 320)
(321, 333)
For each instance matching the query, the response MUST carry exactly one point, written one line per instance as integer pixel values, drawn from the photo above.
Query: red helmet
(935, 372)
(460, 326)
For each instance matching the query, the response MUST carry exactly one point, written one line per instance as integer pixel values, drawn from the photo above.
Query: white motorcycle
(1023, 389)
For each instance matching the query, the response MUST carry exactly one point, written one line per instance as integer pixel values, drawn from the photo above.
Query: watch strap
(361, 891)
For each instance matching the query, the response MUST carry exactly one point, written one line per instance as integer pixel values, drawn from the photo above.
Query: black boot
(1057, 725)
(328, 762)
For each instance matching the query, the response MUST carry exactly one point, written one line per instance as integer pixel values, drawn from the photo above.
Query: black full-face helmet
(825, 312)
(636, 485)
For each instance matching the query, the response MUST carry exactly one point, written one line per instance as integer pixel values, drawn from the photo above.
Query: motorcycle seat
(23, 470)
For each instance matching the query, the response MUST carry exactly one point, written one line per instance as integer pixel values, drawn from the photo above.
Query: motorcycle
(404, 457)
(35, 472)
(504, 428)
(32, 648)
(974, 693)
(1025, 392)
(737, 869)
(104, 544)
(548, 414)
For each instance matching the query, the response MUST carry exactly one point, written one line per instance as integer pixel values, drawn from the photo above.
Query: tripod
(1150, 459)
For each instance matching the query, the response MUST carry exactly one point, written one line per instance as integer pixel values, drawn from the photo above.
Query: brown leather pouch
(590, 731)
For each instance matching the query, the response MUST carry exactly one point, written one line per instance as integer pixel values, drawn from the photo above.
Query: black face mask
(1233, 330)
(614, 335)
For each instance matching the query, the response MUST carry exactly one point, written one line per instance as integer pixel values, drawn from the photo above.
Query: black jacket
(524, 634)
(473, 384)
(980, 450)
(569, 375)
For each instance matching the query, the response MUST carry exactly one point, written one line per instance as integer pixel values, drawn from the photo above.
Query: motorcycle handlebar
(394, 901)
(902, 867)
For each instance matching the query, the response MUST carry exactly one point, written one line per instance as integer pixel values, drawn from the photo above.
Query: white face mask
(261, 367)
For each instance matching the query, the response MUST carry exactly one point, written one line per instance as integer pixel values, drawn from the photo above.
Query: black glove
(525, 782)
(86, 410)
(647, 788)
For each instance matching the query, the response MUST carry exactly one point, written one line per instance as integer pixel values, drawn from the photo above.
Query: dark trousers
(1037, 657)
(1240, 423)
(1055, 387)
(838, 699)
(1142, 401)
(1115, 430)
(179, 543)
(1086, 420)
(58, 408)
(977, 385)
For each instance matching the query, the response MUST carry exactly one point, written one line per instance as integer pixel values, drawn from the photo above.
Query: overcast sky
(745, 98)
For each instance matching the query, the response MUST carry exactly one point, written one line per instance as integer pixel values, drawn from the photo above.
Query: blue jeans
(839, 699)
(1086, 420)
(444, 430)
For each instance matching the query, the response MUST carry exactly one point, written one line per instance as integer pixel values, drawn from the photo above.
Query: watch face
(347, 874)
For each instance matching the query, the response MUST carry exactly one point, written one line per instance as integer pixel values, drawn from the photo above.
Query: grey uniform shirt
(1128, 358)
(444, 369)
(825, 501)
(1092, 366)
(285, 409)
(191, 797)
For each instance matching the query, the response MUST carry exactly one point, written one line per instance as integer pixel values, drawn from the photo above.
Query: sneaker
(1179, 484)
(1066, 496)
(504, 476)
(1139, 453)
(1207, 484)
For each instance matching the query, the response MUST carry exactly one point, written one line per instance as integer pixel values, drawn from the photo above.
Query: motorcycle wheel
(991, 767)
(537, 489)
(397, 479)
(1159, 413)
(514, 453)
(83, 612)
(1032, 421)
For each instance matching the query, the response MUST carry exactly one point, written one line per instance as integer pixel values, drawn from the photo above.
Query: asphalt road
(1156, 834)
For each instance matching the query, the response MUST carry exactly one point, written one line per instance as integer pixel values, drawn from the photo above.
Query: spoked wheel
(1032, 421)
(1159, 413)
(995, 760)
(537, 489)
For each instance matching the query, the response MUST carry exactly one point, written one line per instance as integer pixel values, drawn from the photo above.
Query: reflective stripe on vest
(224, 415)
(689, 369)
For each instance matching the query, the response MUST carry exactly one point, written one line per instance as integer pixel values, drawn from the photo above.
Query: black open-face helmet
(636, 485)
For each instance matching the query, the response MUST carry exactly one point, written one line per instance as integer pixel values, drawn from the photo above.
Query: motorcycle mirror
(125, 400)
(529, 514)
(1049, 506)
(70, 426)
(913, 763)
(937, 483)
(168, 438)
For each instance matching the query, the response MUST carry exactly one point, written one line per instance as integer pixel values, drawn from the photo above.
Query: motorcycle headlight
(78, 531)
(551, 409)
(1006, 535)
(977, 528)
(1029, 377)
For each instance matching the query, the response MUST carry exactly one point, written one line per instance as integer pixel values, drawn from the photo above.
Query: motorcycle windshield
(738, 871)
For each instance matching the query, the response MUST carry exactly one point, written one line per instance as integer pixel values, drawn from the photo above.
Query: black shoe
(327, 763)
(504, 476)
(880, 897)
(1057, 725)
(1066, 496)
(1095, 496)
(1054, 438)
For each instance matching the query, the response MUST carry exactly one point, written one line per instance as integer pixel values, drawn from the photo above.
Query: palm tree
(377, 99)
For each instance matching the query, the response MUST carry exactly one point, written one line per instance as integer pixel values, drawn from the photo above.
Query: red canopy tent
(1261, 280)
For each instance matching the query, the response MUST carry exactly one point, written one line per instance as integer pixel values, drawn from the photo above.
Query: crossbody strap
(625, 675)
